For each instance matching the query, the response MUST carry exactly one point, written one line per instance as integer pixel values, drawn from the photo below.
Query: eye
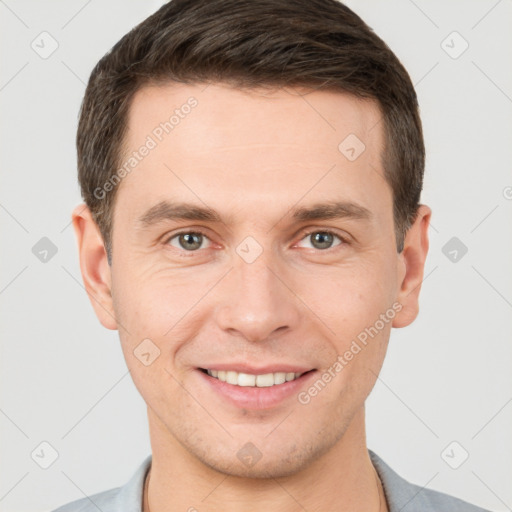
(323, 239)
(189, 240)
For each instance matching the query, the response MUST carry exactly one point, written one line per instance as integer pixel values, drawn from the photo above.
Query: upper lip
(257, 370)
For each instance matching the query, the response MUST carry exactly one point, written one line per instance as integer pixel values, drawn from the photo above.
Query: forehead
(225, 115)
(217, 141)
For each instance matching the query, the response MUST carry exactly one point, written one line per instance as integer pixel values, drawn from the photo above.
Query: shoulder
(127, 498)
(404, 496)
(104, 501)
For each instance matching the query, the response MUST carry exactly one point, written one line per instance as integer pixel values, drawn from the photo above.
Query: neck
(342, 479)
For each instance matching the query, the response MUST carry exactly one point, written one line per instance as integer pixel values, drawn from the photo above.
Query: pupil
(192, 240)
(323, 239)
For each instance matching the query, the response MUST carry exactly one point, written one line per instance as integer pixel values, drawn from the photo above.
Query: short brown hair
(320, 44)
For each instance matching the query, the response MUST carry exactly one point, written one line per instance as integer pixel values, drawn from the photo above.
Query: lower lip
(257, 398)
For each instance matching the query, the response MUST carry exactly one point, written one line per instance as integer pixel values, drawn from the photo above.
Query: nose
(257, 301)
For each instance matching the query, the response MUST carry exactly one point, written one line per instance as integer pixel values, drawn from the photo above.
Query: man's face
(260, 290)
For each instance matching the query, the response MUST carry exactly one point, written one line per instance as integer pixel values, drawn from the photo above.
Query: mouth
(265, 389)
(264, 380)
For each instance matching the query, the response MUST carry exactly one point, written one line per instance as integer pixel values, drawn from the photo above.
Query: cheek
(163, 306)
(158, 317)
(154, 299)
(357, 306)
(351, 298)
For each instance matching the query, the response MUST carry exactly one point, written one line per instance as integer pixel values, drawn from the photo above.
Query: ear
(94, 265)
(412, 260)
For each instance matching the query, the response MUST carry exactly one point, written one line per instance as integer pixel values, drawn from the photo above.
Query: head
(252, 173)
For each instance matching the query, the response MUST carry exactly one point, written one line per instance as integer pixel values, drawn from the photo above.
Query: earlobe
(413, 259)
(94, 265)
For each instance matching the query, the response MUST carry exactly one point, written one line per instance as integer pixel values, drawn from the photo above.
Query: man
(252, 172)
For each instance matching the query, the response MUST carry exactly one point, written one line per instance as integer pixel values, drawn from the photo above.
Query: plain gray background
(447, 378)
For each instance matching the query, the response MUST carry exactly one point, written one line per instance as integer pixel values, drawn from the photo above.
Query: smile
(249, 380)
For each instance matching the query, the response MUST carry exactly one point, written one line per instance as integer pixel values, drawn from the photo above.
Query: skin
(253, 156)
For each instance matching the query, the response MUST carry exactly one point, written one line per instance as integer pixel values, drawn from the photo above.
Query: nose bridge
(257, 302)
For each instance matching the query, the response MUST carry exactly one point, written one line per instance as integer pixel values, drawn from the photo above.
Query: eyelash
(343, 240)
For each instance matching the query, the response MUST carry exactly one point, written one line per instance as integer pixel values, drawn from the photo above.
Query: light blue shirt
(401, 496)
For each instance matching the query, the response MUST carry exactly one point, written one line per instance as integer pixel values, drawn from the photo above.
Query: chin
(278, 458)
(265, 468)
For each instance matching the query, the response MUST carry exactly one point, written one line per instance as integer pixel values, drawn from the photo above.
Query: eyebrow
(167, 211)
(332, 210)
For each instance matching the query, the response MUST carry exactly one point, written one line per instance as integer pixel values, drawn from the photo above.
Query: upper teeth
(246, 379)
